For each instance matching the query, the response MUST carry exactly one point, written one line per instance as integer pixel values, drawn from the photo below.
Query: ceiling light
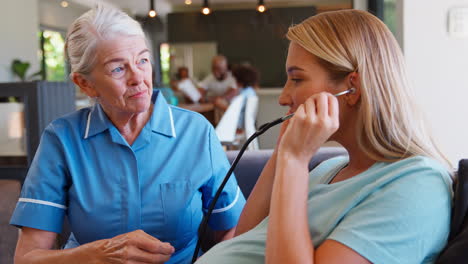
(64, 4)
(188, 2)
(206, 9)
(261, 6)
(152, 13)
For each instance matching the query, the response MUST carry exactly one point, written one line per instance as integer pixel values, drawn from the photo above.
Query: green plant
(20, 68)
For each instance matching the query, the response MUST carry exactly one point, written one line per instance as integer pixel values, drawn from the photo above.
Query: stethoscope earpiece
(349, 91)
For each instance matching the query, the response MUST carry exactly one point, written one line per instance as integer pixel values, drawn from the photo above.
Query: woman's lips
(138, 95)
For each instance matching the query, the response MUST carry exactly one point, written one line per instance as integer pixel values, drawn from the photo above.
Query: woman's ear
(353, 81)
(84, 84)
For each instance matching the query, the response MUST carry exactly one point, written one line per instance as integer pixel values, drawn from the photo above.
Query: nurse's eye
(118, 70)
(143, 61)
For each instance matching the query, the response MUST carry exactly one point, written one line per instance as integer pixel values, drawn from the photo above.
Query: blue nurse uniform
(85, 170)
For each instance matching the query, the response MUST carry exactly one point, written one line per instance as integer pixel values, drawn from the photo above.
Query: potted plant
(20, 68)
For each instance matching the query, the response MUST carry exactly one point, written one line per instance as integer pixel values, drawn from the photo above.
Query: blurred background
(35, 89)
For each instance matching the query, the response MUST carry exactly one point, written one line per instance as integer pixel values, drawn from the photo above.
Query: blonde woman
(389, 201)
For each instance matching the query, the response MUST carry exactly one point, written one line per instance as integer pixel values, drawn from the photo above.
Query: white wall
(360, 4)
(19, 25)
(54, 16)
(438, 68)
(18, 31)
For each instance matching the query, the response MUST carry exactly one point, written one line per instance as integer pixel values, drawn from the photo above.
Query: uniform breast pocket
(177, 200)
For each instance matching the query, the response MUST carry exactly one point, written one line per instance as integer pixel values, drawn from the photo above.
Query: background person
(247, 78)
(220, 82)
(186, 86)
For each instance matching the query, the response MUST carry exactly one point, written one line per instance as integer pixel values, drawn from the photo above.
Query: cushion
(456, 251)
(9, 194)
(252, 162)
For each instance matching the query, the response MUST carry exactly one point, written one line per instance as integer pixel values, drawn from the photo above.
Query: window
(165, 64)
(390, 16)
(52, 56)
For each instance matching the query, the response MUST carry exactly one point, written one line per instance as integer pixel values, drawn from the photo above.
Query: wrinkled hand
(311, 126)
(130, 248)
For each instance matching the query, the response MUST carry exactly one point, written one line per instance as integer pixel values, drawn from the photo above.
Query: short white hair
(100, 23)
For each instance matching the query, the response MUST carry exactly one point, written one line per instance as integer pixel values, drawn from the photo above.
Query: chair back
(227, 126)
(456, 251)
(250, 117)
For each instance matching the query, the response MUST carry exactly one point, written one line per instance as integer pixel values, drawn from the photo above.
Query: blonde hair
(390, 127)
(101, 22)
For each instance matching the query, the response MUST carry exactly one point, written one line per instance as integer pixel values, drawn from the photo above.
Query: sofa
(456, 250)
(9, 194)
(252, 162)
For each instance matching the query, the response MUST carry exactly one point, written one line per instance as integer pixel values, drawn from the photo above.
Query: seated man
(220, 83)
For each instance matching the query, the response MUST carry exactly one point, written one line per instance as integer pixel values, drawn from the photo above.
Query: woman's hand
(35, 246)
(134, 247)
(311, 126)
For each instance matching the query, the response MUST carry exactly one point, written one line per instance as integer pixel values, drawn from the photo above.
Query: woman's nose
(136, 76)
(285, 97)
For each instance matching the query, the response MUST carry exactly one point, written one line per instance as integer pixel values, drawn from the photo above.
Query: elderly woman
(132, 173)
(389, 201)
